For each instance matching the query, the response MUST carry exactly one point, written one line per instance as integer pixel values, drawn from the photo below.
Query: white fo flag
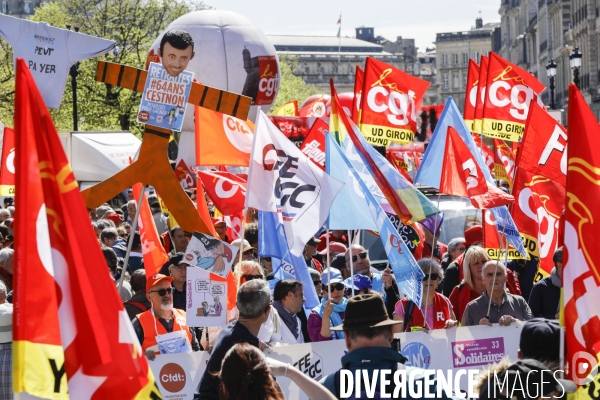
(282, 179)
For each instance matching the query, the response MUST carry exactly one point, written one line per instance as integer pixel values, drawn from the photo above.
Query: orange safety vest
(150, 332)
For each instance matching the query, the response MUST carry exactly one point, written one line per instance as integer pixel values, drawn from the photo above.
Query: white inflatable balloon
(231, 54)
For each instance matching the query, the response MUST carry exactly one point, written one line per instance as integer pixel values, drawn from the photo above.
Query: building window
(5, 6)
(306, 70)
(464, 80)
(445, 81)
(444, 59)
(27, 7)
(476, 56)
(454, 58)
(455, 81)
(465, 58)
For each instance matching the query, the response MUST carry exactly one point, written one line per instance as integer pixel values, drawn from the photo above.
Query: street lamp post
(74, 71)
(575, 61)
(551, 71)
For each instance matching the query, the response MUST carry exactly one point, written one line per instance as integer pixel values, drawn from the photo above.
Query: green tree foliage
(291, 87)
(132, 24)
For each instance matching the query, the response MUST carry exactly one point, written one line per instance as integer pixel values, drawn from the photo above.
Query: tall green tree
(291, 87)
(132, 24)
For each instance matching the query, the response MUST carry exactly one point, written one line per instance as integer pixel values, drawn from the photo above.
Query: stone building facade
(19, 8)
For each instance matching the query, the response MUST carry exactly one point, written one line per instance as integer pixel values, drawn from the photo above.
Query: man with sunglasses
(162, 328)
(178, 271)
(382, 283)
(310, 251)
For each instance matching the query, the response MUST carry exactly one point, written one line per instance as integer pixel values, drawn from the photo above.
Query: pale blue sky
(419, 19)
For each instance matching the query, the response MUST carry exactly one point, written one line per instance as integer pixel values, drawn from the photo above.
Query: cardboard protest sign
(165, 98)
(178, 375)
(210, 254)
(206, 303)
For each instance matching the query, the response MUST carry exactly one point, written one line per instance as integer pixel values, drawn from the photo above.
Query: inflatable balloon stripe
(208, 97)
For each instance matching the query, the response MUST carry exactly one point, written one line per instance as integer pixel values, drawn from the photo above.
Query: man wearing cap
(247, 250)
(162, 329)
(221, 228)
(331, 310)
(545, 295)
(335, 236)
(114, 217)
(362, 284)
(178, 271)
(334, 250)
(368, 334)
(6, 371)
(540, 340)
(310, 251)
(339, 262)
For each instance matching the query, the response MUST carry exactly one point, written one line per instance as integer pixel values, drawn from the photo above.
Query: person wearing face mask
(162, 329)
(330, 312)
(436, 307)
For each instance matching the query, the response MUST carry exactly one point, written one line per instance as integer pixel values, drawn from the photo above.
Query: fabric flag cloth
(7, 168)
(471, 95)
(316, 107)
(359, 77)
(383, 179)
(314, 144)
(504, 162)
(544, 146)
(222, 139)
(461, 176)
(390, 103)
(56, 247)
(282, 178)
(272, 242)
(486, 152)
(184, 175)
(536, 211)
(581, 275)
(429, 172)
(153, 252)
(203, 211)
(481, 90)
(289, 109)
(406, 270)
(509, 91)
(228, 195)
(339, 34)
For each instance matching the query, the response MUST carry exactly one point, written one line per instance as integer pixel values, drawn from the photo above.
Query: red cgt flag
(7, 169)
(480, 98)
(57, 248)
(228, 195)
(314, 144)
(544, 146)
(486, 153)
(471, 95)
(581, 275)
(153, 252)
(461, 176)
(359, 77)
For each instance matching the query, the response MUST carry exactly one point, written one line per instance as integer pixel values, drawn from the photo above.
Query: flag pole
(435, 228)
(130, 238)
(242, 236)
(495, 271)
(351, 263)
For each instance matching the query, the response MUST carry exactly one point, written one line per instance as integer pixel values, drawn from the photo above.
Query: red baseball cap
(473, 235)
(154, 279)
(334, 247)
(114, 217)
(218, 220)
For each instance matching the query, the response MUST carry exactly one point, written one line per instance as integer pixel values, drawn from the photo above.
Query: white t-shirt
(49, 52)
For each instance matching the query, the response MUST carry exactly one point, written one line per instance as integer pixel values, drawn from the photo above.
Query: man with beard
(162, 328)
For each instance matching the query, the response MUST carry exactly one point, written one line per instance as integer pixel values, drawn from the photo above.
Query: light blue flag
(430, 171)
(273, 243)
(406, 270)
(350, 209)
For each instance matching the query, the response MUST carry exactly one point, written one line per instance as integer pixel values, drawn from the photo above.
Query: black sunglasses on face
(162, 292)
(251, 251)
(267, 259)
(316, 283)
(362, 256)
(336, 286)
(250, 277)
(434, 277)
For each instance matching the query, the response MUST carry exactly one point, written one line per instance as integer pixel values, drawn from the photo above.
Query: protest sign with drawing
(206, 298)
(165, 98)
(211, 254)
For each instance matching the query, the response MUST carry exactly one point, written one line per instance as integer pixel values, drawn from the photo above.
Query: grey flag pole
(495, 271)
(130, 239)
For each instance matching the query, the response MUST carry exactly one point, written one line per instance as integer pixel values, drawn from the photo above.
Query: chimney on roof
(366, 34)
(478, 23)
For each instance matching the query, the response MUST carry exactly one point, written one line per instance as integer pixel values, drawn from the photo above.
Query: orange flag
(222, 139)
(74, 327)
(154, 254)
(203, 209)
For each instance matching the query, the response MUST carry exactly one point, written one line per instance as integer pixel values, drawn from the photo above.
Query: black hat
(339, 261)
(540, 339)
(9, 201)
(313, 241)
(365, 311)
(523, 380)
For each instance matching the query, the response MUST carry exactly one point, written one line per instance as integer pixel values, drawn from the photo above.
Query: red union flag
(471, 95)
(544, 146)
(227, 194)
(389, 104)
(481, 89)
(184, 175)
(76, 328)
(7, 169)
(314, 106)
(509, 91)
(536, 212)
(314, 144)
(461, 176)
(581, 275)
(269, 80)
(486, 153)
(493, 242)
(359, 78)
(153, 252)
(505, 157)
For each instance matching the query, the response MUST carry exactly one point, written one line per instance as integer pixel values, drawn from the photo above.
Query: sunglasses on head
(162, 292)
(362, 256)
(433, 277)
(336, 286)
(250, 277)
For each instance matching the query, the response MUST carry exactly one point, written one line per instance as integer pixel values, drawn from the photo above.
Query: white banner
(206, 299)
(464, 348)
(178, 375)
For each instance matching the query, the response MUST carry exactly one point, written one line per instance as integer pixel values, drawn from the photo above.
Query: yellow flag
(289, 109)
